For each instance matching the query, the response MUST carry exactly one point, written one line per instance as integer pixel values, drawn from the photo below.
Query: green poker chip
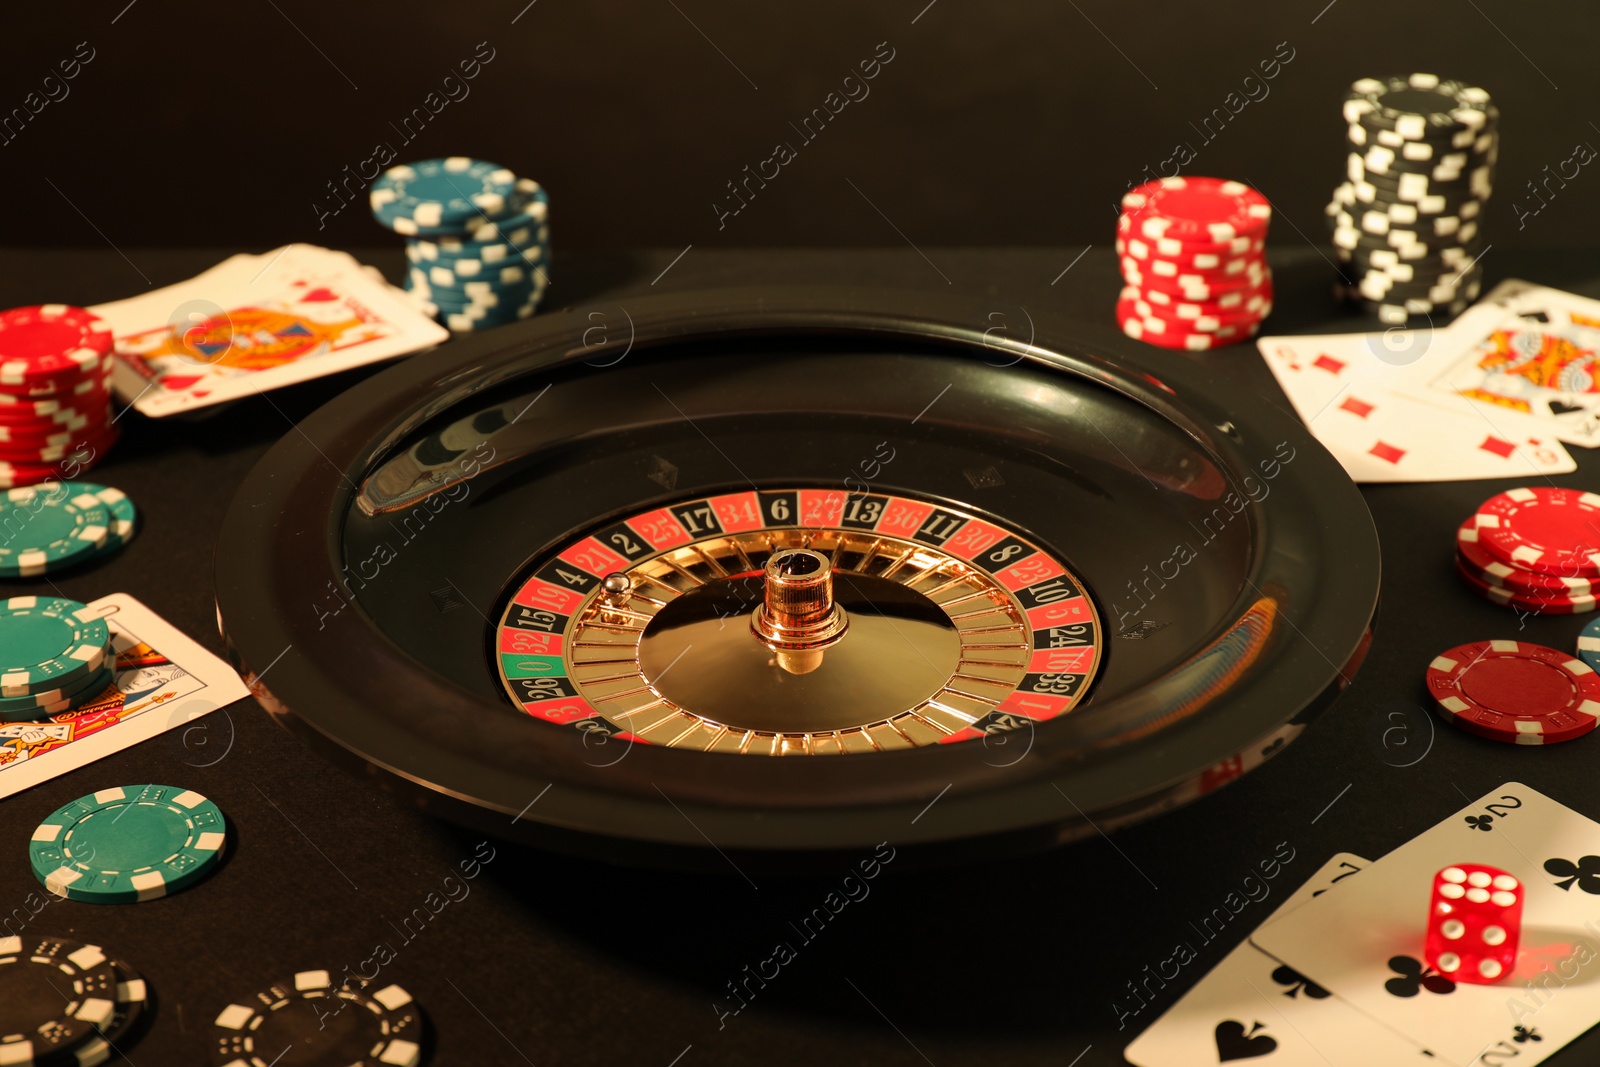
(128, 843)
(48, 643)
(46, 527)
(55, 701)
(124, 516)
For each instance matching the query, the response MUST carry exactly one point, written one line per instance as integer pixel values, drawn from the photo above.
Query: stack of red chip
(55, 393)
(1534, 549)
(1192, 255)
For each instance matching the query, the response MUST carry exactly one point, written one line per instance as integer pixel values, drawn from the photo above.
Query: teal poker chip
(524, 245)
(124, 515)
(128, 843)
(55, 701)
(442, 195)
(1589, 644)
(469, 274)
(48, 643)
(46, 527)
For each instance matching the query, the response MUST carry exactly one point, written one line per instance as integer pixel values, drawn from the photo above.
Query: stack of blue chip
(477, 238)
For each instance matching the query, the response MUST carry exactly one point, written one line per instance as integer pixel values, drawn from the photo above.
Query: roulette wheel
(784, 574)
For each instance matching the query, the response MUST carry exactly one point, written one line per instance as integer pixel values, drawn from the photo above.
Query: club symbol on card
(1412, 978)
(1524, 1034)
(1481, 822)
(1234, 1043)
(1585, 874)
(1288, 976)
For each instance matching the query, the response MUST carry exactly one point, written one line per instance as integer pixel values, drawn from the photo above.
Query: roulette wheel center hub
(799, 618)
(799, 647)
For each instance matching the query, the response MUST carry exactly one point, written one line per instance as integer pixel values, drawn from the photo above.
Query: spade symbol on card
(1534, 316)
(1560, 407)
(1297, 982)
(1233, 1043)
(1585, 873)
(1412, 978)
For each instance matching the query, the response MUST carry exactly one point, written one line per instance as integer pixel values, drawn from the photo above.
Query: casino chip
(1527, 549)
(1191, 254)
(1589, 644)
(54, 525)
(55, 393)
(1548, 530)
(56, 998)
(48, 643)
(128, 843)
(1419, 171)
(477, 240)
(311, 1022)
(1516, 692)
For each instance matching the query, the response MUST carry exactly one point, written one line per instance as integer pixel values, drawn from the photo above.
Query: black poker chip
(1424, 103)
(55, 998)
(311, 1020)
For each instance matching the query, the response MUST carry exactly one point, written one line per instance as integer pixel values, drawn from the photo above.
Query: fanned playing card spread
(256, 323)
(1376, 402)
(1363, 942)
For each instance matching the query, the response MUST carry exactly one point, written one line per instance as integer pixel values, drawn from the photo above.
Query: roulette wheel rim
(1284, 646)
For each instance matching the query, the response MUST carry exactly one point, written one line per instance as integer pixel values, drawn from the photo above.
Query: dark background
(203, 123)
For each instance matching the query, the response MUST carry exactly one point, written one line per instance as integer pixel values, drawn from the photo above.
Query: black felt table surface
(544, 960)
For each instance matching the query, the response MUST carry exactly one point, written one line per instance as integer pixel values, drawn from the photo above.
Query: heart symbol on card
(179, 382)
(320, 296)
(1234, 1044)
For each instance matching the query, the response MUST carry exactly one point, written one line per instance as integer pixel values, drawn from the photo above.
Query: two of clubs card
(1336, 977)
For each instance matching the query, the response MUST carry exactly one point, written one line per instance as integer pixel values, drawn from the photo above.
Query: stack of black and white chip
(1419, 173)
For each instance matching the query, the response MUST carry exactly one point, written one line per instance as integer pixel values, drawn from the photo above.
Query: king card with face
(1365, 943)
(1252, 1008)
(1538, 355)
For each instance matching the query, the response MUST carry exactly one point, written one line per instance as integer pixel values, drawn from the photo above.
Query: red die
(1474, 923)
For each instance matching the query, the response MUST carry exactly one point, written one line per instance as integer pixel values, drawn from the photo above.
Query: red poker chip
(1173, 335)
(1517, 580)
(27, 453)
(1168, 247)
(1516, 692)
(90, 441)
(50, 341)
(1537, 603)
(1203, 316)
(1187, 288)
(19, 406)
(18, 419)
(1546, 529)
(1176, 272)
(16, 438)
(1188, 254)
(1196, 209)
(38, 389)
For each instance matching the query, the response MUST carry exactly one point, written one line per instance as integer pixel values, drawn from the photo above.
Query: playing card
(255, 323)
(1252, 1007)
(162, 680)
(1533, 353)
(1364, 942)
(1343, 386)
